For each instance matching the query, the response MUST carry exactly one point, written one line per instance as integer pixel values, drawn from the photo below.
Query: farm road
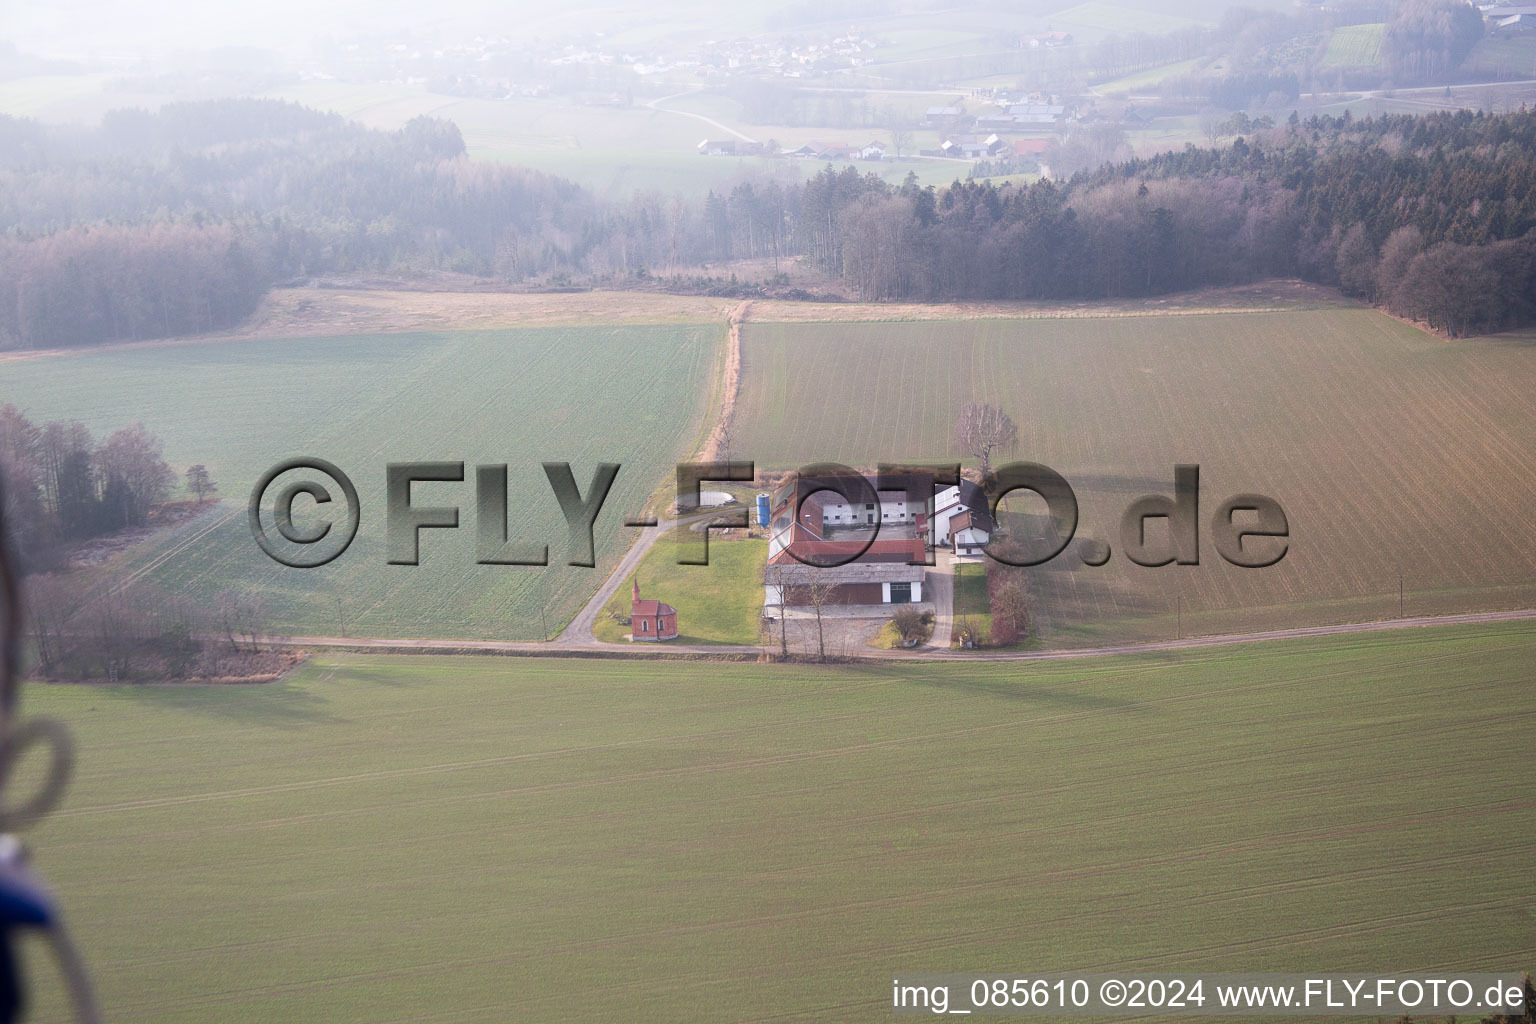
(940, 587)
(656, 104)
(563, 646)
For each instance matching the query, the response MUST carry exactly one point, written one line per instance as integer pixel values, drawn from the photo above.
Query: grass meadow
(1354, 46)
(1296, 405)
(718, 603)
(1149, 79)
(433, 839)
(631, 395)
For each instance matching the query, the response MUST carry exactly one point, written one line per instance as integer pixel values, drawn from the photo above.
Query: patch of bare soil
(843, 638)
(1264, 297)
(98, 550)
(318, 312)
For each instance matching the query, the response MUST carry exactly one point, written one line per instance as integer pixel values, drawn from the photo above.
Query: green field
(631, 395)
(430, 839)
(1150, 78)
(614, 150)
(1354, 46)
(1297, 405)
(972, 607)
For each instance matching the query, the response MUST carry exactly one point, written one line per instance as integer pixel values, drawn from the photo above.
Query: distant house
(650, 621)
(874, 151)
(1047, 39)
(1517, 23)
(942, 117)
(1053, 111)
(730, 147)
(1030, 148)
(824, 151)
(1023, 117)
(973, 147)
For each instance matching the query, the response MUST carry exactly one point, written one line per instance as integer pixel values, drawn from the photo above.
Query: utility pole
(1400, 595)
(340, 618)
(543, 625)
(1178, 617)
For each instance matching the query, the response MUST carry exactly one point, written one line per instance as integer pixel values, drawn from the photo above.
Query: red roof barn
(651, 620)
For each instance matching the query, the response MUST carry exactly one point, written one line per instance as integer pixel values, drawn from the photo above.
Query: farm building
(972, 147)
(730, 147)
(824, 151)
(649, 620)
(942, 117)
(810, 522)
(962, 519)
(882, 574)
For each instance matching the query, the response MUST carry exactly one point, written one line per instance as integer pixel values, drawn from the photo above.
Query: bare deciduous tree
(113, 627)
(727, 438)
(1009, 605)
(49, 607)
(818, 592)
(982, 430)
(780, 578)
(131, 457)
(241, 619)
(1213, 124)
(806, 585)
(908, 621)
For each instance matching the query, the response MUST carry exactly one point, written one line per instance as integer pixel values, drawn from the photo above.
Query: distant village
(496, 67)
(986, 135)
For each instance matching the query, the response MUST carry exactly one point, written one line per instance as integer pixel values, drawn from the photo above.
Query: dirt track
(730, 384)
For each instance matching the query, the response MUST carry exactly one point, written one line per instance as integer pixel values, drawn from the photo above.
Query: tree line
(1431, 216)
(177, 222)
(83, 626)
(62, 486)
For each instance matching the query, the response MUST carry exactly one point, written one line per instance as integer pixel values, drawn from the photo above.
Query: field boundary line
(570, 646)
